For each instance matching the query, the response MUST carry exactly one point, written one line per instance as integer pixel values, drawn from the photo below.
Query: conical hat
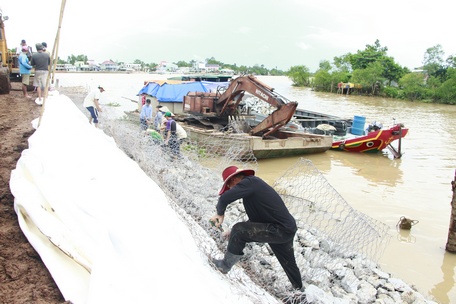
(231, 171)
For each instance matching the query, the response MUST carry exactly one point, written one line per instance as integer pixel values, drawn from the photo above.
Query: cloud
(302, 45)
(244, 30)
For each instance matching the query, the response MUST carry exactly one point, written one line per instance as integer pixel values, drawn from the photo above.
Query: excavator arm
(231, 98)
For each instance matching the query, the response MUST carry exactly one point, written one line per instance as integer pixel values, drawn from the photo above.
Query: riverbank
(385, 185)
(23, 276)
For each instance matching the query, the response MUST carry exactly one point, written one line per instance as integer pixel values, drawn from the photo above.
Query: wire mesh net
(331, 237)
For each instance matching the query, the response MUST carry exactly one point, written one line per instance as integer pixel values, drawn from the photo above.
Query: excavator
(218, 108)
(9, 66)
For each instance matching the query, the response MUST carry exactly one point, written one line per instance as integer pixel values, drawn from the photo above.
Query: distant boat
(204, 77)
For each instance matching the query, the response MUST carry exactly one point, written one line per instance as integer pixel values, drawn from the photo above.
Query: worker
(269, 221)
(92, 104)
(145, 117)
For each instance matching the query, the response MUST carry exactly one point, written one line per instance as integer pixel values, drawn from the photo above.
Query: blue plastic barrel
(358, 125)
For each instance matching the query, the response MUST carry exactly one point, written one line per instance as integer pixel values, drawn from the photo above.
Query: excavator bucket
(277, 119)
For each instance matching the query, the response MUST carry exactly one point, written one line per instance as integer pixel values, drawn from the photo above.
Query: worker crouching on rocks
(269, 221)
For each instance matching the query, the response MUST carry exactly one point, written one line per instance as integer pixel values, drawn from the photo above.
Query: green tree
(342, 63)
(275, 72)
(259, 70)
(325, 65)
(371, 54)
(433, 62)
(412, 85)
(299, 75)
(243, 69)
(142, 63)
(451, 61)
(72, 58)
(322, 80)
(181, 63)
(212, 60)
(391, 70)
(340, 76)
(60, 61)
(370, 77)
(446, 93)
(151, 66)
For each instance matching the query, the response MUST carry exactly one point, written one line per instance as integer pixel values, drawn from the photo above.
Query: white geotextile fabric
(116, 238)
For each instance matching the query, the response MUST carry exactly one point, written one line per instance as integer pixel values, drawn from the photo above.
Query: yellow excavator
(9, 65)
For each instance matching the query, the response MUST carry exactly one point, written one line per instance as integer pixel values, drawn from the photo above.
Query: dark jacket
(261, 202)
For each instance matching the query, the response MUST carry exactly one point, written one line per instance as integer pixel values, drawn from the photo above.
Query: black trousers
(143, 123)
(174, 145)
(280, 241)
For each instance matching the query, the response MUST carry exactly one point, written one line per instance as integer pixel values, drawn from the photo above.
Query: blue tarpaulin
(149, 89)
(172, 92)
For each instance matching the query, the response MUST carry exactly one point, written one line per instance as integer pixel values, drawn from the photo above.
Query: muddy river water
(417, 186)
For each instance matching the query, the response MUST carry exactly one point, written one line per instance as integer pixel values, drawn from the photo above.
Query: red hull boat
(373, 141)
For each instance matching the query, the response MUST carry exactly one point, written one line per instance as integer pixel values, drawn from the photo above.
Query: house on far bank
(212, 68)
(67, 67)
(79, 65)
(109, 65)
(86, 66)
(202, 67)
(93, 65)
(166, 67)
(133, 66)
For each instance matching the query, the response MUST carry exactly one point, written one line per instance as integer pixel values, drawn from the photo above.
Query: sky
(278, 34)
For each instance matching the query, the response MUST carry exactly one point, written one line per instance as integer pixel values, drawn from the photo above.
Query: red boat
(375, 140)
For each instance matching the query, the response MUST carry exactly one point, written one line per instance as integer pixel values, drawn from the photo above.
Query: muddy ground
(23, 276)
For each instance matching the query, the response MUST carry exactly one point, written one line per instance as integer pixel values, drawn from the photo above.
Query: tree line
(371, 70)
(375, 73)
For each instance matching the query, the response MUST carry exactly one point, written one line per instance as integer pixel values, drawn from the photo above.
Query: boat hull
(372, 142)
(288, 143)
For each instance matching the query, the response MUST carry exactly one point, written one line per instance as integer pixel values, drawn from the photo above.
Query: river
(417, 186)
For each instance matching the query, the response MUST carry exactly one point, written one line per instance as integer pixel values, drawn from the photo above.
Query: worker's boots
(228, 261)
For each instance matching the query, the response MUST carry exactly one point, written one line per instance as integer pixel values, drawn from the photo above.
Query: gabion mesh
(318, 206)
(331, 234)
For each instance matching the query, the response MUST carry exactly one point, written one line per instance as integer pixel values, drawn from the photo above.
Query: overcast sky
(245, 32)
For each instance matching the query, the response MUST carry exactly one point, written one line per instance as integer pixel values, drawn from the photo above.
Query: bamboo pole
(451, 242)
(54, 58)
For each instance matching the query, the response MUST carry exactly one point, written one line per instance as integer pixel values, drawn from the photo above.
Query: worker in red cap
(269, 221)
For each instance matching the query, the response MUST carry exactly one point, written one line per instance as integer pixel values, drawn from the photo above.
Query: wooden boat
(373, 140)
(352, 135)
(310, 120)
(284, 142)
